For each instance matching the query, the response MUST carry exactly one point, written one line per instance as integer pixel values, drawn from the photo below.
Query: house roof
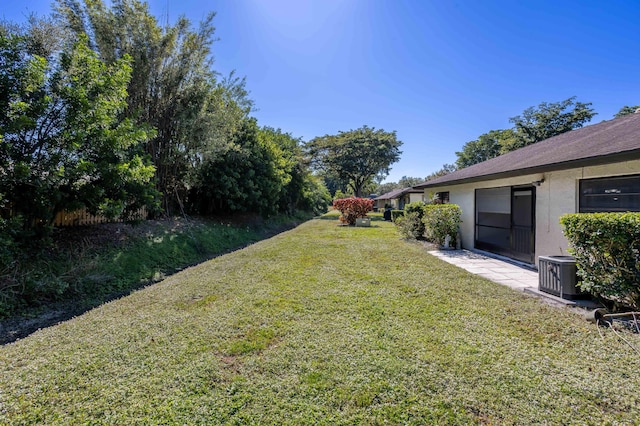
(397, 193)
(390, 195)
(602, 143)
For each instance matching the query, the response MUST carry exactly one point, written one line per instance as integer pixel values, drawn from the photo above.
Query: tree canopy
(173, 85)
(106, 109)
(403, 182)
(408, 181)
(548, 120)
(626, 110)
(262, 171)
(444, 170)
(357, 156)
(63, 144)
(533, 125)
(488, 145)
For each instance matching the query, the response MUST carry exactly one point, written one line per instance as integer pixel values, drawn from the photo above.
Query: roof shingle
(397, 193)
(608, 141)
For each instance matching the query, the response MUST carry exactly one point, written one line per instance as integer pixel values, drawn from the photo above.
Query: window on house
(442, 197)
(616, 194)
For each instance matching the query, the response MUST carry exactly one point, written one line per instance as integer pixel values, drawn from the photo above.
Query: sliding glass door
(505, 221)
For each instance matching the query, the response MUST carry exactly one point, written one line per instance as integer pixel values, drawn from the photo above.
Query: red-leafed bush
(353, 208)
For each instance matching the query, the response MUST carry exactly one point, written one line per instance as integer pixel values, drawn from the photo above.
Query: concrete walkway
(505, 272)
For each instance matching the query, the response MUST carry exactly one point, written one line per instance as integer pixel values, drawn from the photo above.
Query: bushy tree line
(104, 108)
(409, 181)
(535, 124)
(403, 182)
(260, 170)
(64, 142)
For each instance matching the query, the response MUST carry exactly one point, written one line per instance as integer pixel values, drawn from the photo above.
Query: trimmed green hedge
(416, 207)
(410, 224)
(607, 251)
(407, 225)
(396, 214)
(441, 220)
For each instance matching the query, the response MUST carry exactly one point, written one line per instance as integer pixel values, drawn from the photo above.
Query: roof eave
(570, 164)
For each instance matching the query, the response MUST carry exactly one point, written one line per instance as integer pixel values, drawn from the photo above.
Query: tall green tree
(488, 145)
(302, 191)
(357, 156)
(63, 144)
(626, 110)
(533, 125)
(315, 195)
(444, 170)
(173, 86)
(293, 164)
(547, 120)
(249, 176)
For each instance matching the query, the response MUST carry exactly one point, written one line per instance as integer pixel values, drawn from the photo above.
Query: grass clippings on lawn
(322, 325)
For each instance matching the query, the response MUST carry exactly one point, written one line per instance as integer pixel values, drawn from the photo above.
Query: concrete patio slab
(502, 271)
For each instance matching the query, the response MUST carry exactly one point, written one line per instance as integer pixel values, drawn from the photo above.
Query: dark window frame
(442, 197)
(609, 194)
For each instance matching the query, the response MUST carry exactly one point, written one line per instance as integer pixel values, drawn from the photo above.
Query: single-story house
(511, 204)
(390, 198)
(410, 195)
(398, 198)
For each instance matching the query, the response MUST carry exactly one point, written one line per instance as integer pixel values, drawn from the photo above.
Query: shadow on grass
(117, 272)
(375, 217)
(354, 226)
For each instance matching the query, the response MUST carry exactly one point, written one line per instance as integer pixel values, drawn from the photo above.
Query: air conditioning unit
(557, 276)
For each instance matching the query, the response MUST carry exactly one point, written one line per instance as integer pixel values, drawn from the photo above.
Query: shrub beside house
(511, 205)
(607, 251)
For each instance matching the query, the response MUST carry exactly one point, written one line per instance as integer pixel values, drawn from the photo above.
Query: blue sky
(439, 73)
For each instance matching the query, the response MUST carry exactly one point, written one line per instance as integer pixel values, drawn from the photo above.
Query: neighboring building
(410, 195)
(511, 204)
(389, 199)
(398, 198)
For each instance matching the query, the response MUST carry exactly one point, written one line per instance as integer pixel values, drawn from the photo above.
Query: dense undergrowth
(88, 265)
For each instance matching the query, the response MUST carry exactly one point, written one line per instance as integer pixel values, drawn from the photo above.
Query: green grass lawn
(86, 266)
(323, 325)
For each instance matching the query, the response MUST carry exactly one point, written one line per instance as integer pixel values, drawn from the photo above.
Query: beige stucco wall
(381, 203)
(556, 195)
(416, 197)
